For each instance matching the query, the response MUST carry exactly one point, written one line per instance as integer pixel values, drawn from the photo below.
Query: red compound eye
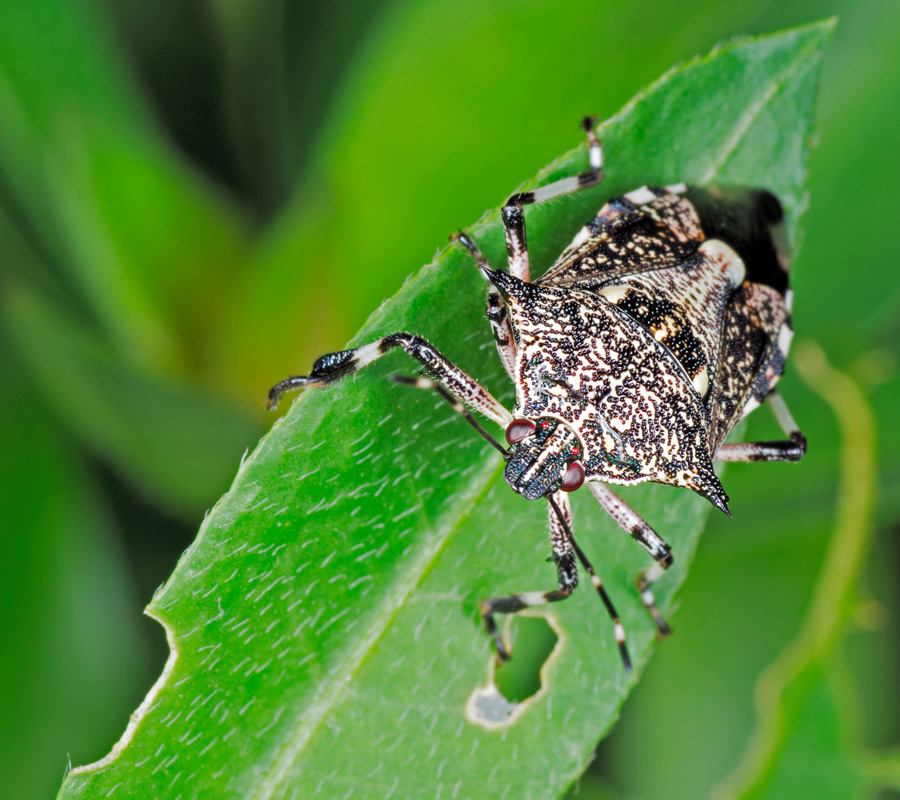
(575, 450)
(573, 478)
(519, 429)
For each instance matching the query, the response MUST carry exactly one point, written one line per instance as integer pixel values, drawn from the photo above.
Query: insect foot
(510, 605)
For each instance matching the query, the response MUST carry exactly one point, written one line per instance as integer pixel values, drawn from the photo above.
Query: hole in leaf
(532, 641)
(512, 687)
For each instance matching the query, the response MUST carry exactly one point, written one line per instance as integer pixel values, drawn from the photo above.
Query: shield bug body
(665, 322)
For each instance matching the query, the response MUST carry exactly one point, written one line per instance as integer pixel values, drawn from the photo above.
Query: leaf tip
(823, 28)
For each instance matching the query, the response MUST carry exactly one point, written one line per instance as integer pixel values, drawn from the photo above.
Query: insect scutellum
(663, 323)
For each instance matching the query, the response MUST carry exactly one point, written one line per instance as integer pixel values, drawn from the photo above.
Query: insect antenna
(598, 585)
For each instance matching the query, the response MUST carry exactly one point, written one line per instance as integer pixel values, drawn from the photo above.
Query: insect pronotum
(663, 323)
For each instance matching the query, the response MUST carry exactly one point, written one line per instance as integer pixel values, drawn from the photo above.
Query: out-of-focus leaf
(281, 62)
(883, 769)
(323, 624)
(146, 244)
(802, 741)
(253, 73)
(72, 661)
(815, 758)
(847, 294)
(850, 276)
(173, 441)
(176, 54)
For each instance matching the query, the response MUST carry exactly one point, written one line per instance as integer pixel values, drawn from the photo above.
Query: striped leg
(567, 573)
(503, 338)
(422, 382)
(793, 449)
(649, 539)
(559, 504)
(495, 312)
(334, 366)
(513, 213)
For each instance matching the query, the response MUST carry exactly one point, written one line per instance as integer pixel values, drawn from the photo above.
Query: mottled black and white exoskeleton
(665, 321)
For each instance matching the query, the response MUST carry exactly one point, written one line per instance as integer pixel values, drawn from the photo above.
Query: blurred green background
(196, 198)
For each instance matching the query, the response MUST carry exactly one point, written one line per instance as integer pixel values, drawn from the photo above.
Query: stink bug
(665, 321)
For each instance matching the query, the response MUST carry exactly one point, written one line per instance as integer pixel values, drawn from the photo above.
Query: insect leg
(649, 539)
(495, 312)
(559, 506)
(567, 573)
(333, 366)
(503, 338)
(513, 213)
(422, 382)
(792, 449)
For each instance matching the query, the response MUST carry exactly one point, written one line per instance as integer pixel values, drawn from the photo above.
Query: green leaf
(324, 627)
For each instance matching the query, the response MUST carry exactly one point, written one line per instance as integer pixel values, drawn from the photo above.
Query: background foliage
(199, 197)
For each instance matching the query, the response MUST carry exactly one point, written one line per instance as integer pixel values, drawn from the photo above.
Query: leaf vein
(330, 691)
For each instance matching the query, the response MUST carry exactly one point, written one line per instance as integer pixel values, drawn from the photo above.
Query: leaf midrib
(752, 114)
(330, 691)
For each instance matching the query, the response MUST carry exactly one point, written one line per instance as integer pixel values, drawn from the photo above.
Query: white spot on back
(613, 293)
(728, 260)
(581, 237)
(641, 196)
(785, 335)
(701, 382)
